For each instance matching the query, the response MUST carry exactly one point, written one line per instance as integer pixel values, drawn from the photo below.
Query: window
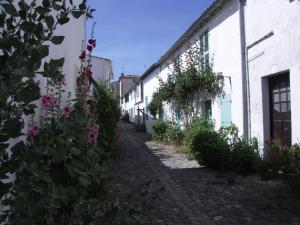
(177, 114)
(204, 49)
(138, 91)
(127, 98)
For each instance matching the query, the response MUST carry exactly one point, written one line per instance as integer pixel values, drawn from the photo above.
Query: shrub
(243, 156)
(281, 164)
(202, 121)
(208, 147)
(107, 113)
(174, 135)
(159, 128)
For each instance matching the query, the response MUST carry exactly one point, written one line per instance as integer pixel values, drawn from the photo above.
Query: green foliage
(107, 114)
(174, 135)
(224, 149)
(281, 164)
(208, 147)
(159, 130)
(39, 194)
(187, 85)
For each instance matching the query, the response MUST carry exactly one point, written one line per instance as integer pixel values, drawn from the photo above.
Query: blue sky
(134, 34)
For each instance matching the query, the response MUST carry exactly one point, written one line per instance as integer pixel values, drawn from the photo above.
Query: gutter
(245, 77)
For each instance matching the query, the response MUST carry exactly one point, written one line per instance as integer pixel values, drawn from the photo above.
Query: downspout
(245, 88)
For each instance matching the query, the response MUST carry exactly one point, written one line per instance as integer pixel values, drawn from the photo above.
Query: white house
(255, 44)
(102, 69)
(127, 93)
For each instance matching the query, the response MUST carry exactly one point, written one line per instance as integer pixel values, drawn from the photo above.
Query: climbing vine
(190, 81)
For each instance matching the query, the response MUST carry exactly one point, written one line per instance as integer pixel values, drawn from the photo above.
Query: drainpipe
(245, 86)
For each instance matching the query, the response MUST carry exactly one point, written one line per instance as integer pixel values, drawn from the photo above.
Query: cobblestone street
(195, 195)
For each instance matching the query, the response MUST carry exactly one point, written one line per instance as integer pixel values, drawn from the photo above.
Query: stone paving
(195, 195)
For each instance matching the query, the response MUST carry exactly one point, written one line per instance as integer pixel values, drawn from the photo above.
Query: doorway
(280, 109)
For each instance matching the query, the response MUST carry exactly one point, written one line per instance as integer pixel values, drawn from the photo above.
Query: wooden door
(280, 109)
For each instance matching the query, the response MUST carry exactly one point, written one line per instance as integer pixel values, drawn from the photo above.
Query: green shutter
(226, 110)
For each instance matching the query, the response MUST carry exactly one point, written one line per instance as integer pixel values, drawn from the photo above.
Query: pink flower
(33, 130)
(92, 137)
(67, 110)
(89, 48)
(93, 132)
(92, 42)
(85, 88)
(82, 56)
(48, 101)
(54, 102)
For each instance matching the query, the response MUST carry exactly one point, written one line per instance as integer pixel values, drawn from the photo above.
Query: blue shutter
(177, 114)
(226, 110)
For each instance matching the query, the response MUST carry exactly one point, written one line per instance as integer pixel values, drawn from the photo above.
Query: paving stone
(196, 195)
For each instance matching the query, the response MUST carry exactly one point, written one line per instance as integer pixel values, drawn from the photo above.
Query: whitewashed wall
(280, 52)
(224, 49)
(102, 69)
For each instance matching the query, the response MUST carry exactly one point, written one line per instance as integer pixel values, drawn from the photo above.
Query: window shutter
(226, 110)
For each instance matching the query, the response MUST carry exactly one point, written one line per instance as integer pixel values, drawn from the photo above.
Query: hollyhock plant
(48, 101)
(67, 110)
(93, 132)
(85, 88)
(82, 56)
(62, 80)
(33, 130)
(92, 42)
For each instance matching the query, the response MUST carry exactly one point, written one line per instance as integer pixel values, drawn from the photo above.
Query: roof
(98, 57)
(196, 25)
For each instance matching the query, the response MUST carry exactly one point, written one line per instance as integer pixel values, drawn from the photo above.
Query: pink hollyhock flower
(67, 110)
(96, 128)
(89, 72)
(92, 42)
(85, 88)
(92, 137)
(82, 56)
(54, 102)
(89, 48)
(33, 130)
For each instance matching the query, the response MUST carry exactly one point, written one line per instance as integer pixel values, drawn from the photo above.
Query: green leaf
(57, 40)
(63, 20)
(49, 21)
(10, 9)
(27, 26)
(46, 3)
(76, 14)
(44, 51)
(12, 127)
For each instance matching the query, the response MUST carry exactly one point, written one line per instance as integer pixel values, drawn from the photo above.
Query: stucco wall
(102, 69)
(224, 49)
(278, 53)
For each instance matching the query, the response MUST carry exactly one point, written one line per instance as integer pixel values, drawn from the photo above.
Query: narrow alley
(195, 195)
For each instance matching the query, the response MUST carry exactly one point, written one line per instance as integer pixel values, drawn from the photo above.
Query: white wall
(280, 52)
(102, 69)
(224, 48)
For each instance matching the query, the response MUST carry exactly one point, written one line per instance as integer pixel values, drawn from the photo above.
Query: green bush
(281, 164)
(243, 156)
(202, 121)
(174, 135)
(208, 147)
(160, 128)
